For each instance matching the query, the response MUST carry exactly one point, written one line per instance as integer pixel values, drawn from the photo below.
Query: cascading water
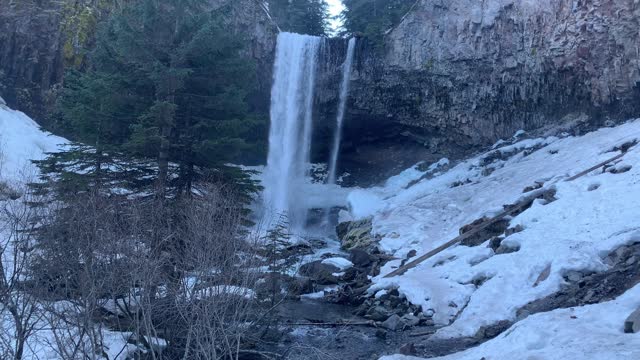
(291, 127)
(342, 104)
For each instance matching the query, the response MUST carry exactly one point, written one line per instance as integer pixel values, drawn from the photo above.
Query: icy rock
(338, 262)
(574, 276)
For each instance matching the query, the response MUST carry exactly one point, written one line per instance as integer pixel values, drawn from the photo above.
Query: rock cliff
(458, 74)
(40, 39)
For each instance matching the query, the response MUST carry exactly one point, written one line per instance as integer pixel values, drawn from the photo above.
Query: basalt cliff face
(452, 77)
(39, 40)
(456, 75)
(31, 60)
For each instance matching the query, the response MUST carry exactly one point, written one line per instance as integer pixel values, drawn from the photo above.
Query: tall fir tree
(372, 18)
(301, 16)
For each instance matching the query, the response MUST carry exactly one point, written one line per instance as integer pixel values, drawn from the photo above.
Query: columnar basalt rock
(459, 74)
(30, 52)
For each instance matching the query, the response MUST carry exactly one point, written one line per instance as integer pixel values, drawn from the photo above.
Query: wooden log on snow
(521, 205)
(524, 203)
(632, 324)
(596, 167)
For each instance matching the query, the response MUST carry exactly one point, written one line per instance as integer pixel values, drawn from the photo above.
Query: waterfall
(342, 104)
(291, 126)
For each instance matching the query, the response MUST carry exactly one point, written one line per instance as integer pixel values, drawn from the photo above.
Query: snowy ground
(592, 216)
(21, 141)
(588, 332)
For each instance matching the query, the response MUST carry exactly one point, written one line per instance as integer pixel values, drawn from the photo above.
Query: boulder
(378, 313)
(360, 258)
(356, 234)
(410, 320)
(319, 272)
(393, 323)
(408, 349)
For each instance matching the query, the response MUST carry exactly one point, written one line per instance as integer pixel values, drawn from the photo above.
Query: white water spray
(342, 104)
(291, 127)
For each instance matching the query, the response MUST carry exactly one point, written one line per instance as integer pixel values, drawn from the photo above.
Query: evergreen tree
(301, 16)
(169, 83)
(372, 18)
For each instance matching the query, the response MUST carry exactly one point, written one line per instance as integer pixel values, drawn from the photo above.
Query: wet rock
(301, 285)
(510, 231)
(507, 249)
(356, 234)
(360, 258)
(378, 313)
(495, 242)
(381, 334)
(408, 349)
(393, 323)
(350, 275)
(491, 331)
(620, 169)
(492, 230)
(320, 273)
(410, 320)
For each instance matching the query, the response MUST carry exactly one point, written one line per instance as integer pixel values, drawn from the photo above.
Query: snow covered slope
(21, 141)
(469, 287)
(589, 332)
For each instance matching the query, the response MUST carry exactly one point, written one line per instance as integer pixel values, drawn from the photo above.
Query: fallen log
(632, 324)
(521, 205)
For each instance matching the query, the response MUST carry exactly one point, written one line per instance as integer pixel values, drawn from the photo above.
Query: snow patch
(572, 233)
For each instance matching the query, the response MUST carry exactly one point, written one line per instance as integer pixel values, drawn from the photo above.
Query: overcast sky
(335, 7)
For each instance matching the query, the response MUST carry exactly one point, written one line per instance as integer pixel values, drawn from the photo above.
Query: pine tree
(372, 18)
(301, 16)
(167, 84)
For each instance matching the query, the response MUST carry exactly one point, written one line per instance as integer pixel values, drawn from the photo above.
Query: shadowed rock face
(459, 74)
(34, 34)
(30, 53)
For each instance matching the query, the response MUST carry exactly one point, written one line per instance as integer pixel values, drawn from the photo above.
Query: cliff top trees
(300, 16)
(372, 18)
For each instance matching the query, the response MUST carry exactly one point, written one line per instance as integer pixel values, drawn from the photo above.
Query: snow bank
(572, 233)
(588, 332)
(340, 263)
(21, 141)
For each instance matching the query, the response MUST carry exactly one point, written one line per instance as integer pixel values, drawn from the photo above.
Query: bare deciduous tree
(20, 313)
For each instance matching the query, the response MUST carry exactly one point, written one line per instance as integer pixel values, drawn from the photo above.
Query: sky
(335, 7)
